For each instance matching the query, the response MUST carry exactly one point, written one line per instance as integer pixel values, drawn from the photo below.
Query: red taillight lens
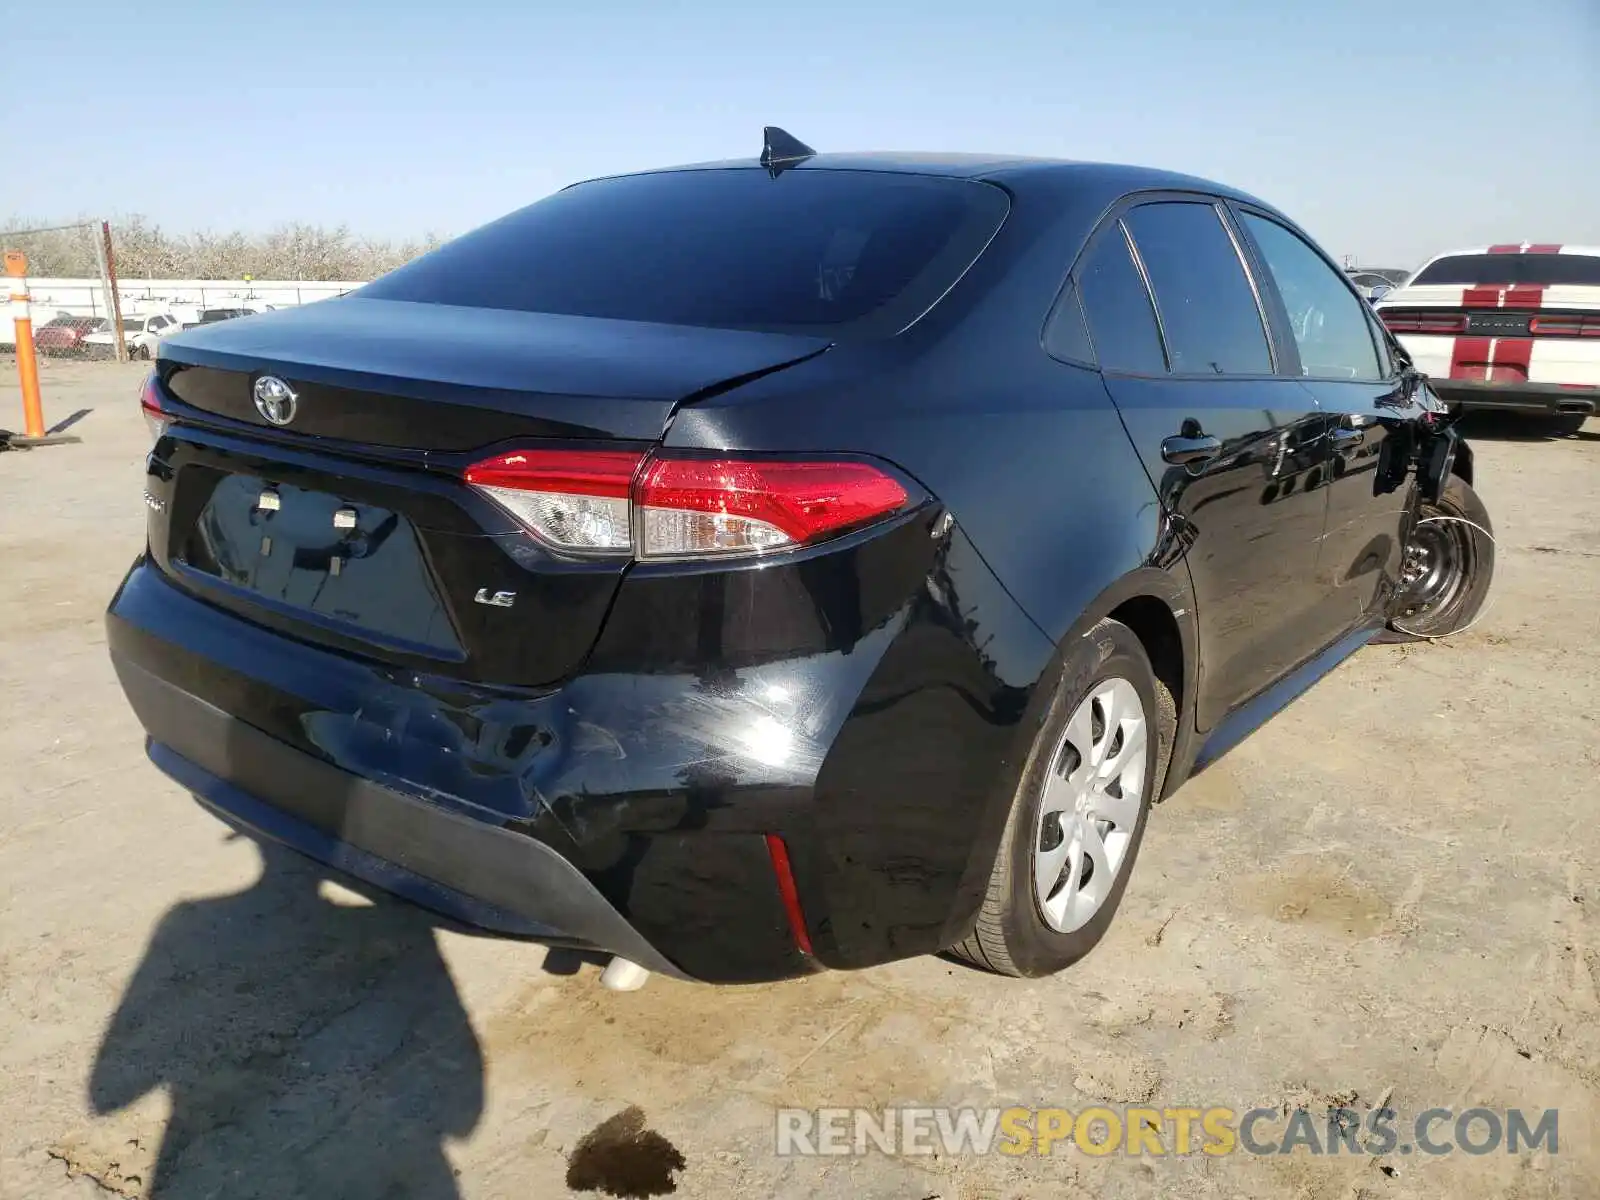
(693, 507)
(150, 404)
(1565, 326)
(1439, 324)
(575, 500)
(660, 506)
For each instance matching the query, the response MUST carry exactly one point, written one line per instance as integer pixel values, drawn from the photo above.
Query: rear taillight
(150, 404)
(1440, 324)
(694, 507)
(1565, 326)
(668, 507)
(572, 499)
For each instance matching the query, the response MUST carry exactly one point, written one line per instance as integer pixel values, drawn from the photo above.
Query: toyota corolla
(793, 563)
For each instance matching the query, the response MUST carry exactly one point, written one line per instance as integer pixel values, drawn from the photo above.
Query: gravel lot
(1389, 892)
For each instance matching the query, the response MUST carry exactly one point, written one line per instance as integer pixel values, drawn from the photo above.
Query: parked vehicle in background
(65, 336)
(1513, 327)
(803, 563)
(141, 335)
(210, 316)
(41, 318)
(1375, 282)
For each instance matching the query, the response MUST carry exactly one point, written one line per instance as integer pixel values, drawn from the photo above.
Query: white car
(141, 334)
(1509, 326)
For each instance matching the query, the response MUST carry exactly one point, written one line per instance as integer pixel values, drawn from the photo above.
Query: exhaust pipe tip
(623, 975)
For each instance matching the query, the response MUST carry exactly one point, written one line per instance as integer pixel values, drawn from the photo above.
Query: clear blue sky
(1390, 128)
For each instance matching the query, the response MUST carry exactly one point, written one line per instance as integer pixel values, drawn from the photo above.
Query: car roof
(1010, 170)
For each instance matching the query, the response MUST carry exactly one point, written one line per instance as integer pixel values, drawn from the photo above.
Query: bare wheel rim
(1438, 567)
(1093, 795)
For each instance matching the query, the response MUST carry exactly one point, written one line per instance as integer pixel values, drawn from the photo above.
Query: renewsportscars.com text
(1156, 1132)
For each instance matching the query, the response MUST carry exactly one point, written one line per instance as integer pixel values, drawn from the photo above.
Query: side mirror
(1379, 292)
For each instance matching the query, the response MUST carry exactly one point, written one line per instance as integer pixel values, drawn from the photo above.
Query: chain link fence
(89, 320)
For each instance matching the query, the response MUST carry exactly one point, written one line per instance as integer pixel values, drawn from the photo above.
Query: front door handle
(1183, 451)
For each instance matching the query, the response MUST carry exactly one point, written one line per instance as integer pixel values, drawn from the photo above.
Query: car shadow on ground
(1490, 425)
(311, 1048)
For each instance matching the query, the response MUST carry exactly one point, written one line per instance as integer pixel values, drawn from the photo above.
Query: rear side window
(1331, 326)
(810, 251)
(1548, 269)
(1117, 304)
(1066, 337)
(1209, 313)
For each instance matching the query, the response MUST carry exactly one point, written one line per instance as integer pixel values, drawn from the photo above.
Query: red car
(65, 335)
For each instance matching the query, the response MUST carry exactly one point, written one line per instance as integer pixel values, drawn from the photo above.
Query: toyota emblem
(275, 400)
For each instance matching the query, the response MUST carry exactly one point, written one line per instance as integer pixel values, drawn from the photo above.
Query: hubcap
(1092, 799)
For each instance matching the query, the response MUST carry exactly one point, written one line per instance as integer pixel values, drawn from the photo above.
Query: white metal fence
(117, 273)
(86, 297)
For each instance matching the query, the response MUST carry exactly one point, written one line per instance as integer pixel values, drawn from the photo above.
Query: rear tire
(1083, 767)
(1456, 567)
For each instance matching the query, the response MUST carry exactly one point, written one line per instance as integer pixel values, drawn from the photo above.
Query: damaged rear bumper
(840, 733)
(530, 815)
(463, 868)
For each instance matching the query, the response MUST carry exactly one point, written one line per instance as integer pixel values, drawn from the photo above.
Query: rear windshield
(1547, 269)
(811, 250)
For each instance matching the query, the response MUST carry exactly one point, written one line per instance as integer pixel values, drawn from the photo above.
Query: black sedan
(784, 564)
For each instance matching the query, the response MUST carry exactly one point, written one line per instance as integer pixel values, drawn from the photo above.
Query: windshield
(1547, 269)
(133, 324)
(812, 250)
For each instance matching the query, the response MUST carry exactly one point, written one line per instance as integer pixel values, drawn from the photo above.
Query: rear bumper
(630, 811)
(1544, 399)
(506, 811)
(464, 869)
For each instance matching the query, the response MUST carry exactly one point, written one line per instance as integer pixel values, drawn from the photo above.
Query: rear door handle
(1182, 451)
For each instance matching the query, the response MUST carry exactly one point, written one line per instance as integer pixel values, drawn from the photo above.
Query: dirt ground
(1391, 892)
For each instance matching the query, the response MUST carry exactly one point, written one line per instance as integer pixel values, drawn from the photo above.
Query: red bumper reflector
(789, 893)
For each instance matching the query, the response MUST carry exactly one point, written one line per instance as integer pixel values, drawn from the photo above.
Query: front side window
(1117, 304)
(1388, 368)
(1329, 322)
(1209, 312)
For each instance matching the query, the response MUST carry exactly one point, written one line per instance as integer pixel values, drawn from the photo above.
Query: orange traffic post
(27, 360)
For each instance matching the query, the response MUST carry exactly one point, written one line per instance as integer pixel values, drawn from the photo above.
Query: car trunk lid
(349, 524)
(395, 373)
